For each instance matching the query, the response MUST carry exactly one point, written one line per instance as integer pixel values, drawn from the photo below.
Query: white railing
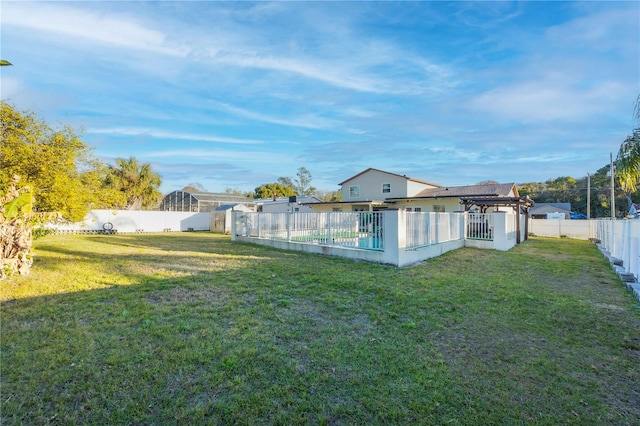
(480, 226)
(392, 237)
(365, 229)
(346, 229)
(425, 229)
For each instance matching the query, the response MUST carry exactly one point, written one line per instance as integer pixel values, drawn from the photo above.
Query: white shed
(222, 216)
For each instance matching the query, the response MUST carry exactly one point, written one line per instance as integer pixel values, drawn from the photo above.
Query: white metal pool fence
(345, 229)
(363, 230)
(394, 237)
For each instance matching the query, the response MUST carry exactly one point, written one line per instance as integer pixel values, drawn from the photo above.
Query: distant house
(187, 201)
(547, 210)
(286, 204)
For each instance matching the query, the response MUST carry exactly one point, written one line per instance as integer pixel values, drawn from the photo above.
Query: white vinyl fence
(620, 241)
(621, 238)
(563, 228)
(127, 221)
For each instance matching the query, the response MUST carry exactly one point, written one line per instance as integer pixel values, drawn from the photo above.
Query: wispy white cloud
(486, 15)
(206, 155)
(352, 64)
(309, 121)
(84, 24)
(543, 100)
(330, 72)
(199, 154)
(574, 71)
(600, 30)
(161, 134)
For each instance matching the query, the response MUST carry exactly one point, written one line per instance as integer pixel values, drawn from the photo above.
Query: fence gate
(218, 221)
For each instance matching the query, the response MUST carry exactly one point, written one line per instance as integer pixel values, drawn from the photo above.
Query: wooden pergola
(519, 205)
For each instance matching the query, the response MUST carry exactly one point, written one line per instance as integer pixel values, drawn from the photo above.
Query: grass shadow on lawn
(192, 328)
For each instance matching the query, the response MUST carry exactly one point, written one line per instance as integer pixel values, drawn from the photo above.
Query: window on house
(386, 188)
(417, 209)
(336, 209)
(438, 208)
(354, 191)
(408, 209)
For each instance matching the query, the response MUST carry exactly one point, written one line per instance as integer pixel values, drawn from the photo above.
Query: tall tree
(137, 183)
(233, 191)
(562, 189)
(531, 189)
(328, 196)
(302, 183)
(276, 189)
(54, 163)
(285, 181)
(194, 187)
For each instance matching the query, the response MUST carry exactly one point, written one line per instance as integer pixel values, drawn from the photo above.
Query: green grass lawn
(191, 328)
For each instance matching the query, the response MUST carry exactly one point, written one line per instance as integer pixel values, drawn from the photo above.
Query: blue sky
(237, 94)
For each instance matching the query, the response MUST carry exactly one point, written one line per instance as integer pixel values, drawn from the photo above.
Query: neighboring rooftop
(200, 201)
(484, 190)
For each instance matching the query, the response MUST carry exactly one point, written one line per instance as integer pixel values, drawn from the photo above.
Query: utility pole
(613, 195)
(588, 195)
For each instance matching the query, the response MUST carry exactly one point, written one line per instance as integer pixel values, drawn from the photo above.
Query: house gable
(374, 184)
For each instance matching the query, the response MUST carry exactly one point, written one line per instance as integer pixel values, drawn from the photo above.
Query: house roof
(370, 169)
(544, 208)
(214, 197)
(237, 207)
(300, 199)
(361, 202)
(485, 190)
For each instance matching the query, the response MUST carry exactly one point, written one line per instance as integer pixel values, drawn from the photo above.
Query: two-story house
(369, 190)
(373, 189)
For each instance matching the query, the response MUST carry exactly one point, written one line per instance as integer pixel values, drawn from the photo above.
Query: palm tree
(627, 165)
(137, 183)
